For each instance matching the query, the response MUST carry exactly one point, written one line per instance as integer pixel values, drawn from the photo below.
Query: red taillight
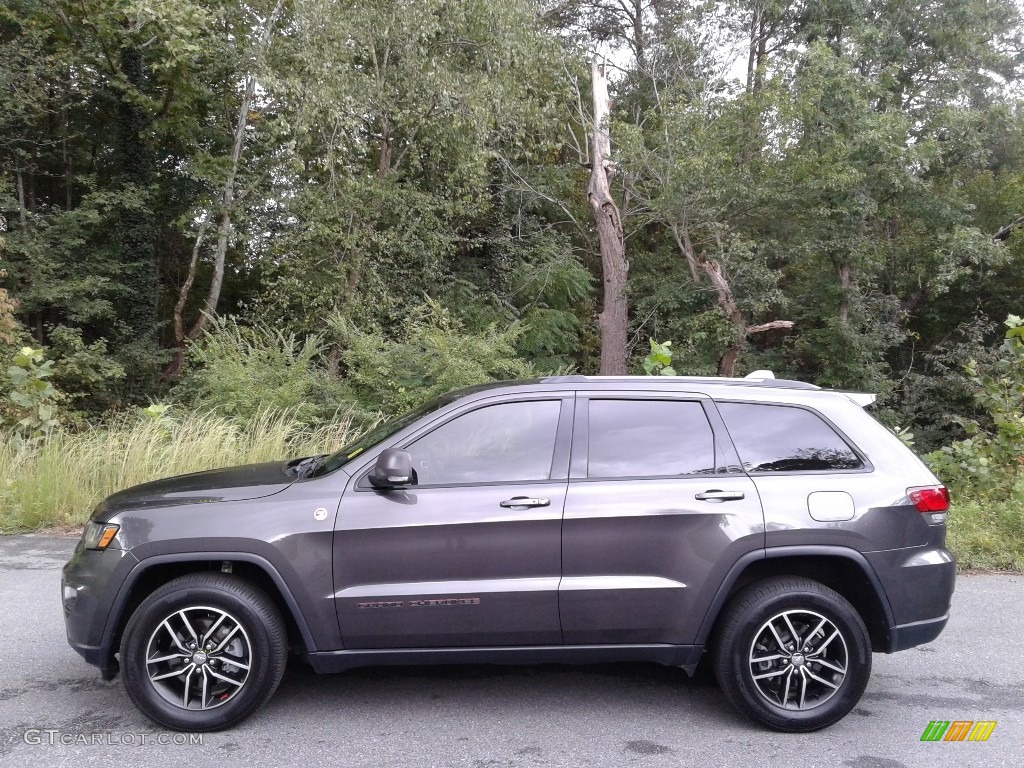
(929, 498)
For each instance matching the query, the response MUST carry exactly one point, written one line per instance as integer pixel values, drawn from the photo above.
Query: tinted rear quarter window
(780, 438)
(649, 438)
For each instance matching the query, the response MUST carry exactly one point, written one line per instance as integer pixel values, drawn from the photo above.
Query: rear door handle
(525, 501)
(717, 495)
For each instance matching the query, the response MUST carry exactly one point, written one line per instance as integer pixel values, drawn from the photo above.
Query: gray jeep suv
(769, 529)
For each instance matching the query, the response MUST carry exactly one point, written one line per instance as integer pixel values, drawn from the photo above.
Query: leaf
(20, 398)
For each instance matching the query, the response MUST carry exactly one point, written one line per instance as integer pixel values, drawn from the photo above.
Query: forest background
(234, 231)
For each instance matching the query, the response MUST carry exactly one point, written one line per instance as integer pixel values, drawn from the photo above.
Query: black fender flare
(120, 600)
(802, 550)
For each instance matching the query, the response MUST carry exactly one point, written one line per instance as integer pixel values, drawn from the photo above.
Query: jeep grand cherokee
(770, 529)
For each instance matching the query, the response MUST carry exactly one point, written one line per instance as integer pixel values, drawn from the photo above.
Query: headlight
(98, 535)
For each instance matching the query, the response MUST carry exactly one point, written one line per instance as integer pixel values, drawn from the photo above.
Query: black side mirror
(392, 470)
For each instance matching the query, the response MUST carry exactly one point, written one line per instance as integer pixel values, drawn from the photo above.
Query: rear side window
(649, 438)
(779, 438)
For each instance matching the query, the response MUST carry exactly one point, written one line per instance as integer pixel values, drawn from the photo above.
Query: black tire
(785, 688)
(236, 677)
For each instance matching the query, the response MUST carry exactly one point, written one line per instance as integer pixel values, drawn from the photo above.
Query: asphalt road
(55, 710)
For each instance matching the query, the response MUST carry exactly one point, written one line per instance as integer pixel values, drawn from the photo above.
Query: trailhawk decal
(430, 603)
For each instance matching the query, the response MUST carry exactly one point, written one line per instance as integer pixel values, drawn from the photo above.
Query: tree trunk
(613, 319)
(636, 20)
(178, 360)
(726, 300)
(225, 203)
(845, 283)
(21, 198)
(755, 46)
(727, 303)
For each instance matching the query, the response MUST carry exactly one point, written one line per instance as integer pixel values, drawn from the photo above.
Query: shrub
(242, 372)
(435, 354)
(85, 372)
(986, 470)
(32, 399)
(989, 463)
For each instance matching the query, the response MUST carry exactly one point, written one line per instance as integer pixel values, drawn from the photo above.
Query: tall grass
(60, 482)
(987, 535)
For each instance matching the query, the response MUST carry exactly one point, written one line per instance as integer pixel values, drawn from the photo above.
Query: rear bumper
(919, 584)
(906, 636)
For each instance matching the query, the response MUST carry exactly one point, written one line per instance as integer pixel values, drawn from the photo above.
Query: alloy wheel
(199, 658)
(798, 660)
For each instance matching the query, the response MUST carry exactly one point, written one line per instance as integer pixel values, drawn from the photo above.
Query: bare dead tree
(613, 319)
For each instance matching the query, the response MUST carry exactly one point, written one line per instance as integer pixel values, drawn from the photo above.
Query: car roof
(763, 388)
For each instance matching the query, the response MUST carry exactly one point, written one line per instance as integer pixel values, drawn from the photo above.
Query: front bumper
(90, 582)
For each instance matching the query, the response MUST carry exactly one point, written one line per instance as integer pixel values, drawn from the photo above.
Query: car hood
(251, 481)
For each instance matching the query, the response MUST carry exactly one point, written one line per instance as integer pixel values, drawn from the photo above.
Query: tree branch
(774, 325)
(228, 193)
(1004, 232)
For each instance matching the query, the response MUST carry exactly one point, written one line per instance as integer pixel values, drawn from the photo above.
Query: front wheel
(792, 654)
(203, 652)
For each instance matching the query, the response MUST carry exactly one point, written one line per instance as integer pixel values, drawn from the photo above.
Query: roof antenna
(760, 375)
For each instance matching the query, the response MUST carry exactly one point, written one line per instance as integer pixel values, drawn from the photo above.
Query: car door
(470, 555)
(657, 510)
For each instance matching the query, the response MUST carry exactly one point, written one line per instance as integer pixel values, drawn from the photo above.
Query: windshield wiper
(307, 467)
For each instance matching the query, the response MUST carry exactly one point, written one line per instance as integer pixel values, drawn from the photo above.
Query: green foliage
(850, 180)
(242, 372)
(8, 322)
(549, 289)
(407, 123)
(33, 398)
(989, 464)
(159, 414)
(156, 412)
(434, 354)
(86, 373)
(659, 361)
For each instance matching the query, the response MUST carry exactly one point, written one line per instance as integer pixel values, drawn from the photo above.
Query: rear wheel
(203, 652)
(792, 654)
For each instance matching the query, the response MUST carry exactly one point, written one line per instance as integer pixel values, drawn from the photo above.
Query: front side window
(779, 438)
(649, 438)
(380, 433)
(502, 443)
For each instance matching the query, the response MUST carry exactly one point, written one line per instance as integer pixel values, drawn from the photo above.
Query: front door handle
(717, 495)
(525, 501)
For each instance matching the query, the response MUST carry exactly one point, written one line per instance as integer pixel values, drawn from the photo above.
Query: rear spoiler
(863, 399)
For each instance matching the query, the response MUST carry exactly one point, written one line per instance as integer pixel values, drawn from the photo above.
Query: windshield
(378, 434)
